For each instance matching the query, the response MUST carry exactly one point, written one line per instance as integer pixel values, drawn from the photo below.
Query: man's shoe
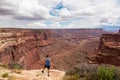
(42, 71)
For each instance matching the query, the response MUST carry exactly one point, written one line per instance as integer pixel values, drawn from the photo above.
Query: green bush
(81, 70)
(14, 65)
(91, 76)
(72, 77)
(17, 66)
(4, 65)
(5, 74)
(105, 73)
(93, 73)
(117, 74)
(71, 72)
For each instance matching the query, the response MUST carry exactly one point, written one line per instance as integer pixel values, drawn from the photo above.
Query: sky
(52, 14)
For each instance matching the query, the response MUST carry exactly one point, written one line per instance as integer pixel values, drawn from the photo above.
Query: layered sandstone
(66, 48)
(22, 45)
(71, 46)
(109, 50)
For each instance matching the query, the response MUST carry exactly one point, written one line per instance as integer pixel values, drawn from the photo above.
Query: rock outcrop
(109, 50)
(23, 46)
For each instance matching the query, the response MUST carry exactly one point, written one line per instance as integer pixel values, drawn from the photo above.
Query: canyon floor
(31, 74)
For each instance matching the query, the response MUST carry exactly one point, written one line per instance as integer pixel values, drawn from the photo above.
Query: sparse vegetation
(72, 77)
(117, 74)
(86, 72)
(105, 73)
(4, 65)
(91, 76)
(5, 74)
(12, 78)
(15, 66)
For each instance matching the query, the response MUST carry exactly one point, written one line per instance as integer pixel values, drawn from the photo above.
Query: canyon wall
(109, 50)
(66, 47)
(23, 46)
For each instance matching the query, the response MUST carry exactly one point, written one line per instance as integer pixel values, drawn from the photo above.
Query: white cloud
(103, 10)
(32, 10)
(8, 7)
(24, 9)
(48, 3)
(65, 13)
(36, 12)
(53, 25)
(84, 23)
(36, 24)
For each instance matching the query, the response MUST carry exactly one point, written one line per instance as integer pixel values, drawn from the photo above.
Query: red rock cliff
(109, 50)
(22, 46)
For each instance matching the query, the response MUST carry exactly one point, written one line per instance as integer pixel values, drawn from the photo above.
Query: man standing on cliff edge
(47, 64)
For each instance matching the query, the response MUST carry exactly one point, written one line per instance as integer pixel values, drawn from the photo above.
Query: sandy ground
(32, 75)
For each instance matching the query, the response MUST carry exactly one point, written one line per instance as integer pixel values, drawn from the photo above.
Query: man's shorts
(48, 67)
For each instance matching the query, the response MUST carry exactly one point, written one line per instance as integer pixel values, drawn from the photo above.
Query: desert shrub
(91, 76)
(72, 77)
(5, 74)
(4, 65)
(102, 72)
(105, 73)
(71, 72)
(15, 66)
(117, 74)
(12, 78)
(84, 69)
(82, 79)
(81, 70)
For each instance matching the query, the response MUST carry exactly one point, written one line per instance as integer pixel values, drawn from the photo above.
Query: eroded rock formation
(66, 48)
(23, 46)
(109, 50)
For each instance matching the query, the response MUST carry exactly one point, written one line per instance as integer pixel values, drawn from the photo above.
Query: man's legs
(43, 69)
(48, 67)
(48, 72)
